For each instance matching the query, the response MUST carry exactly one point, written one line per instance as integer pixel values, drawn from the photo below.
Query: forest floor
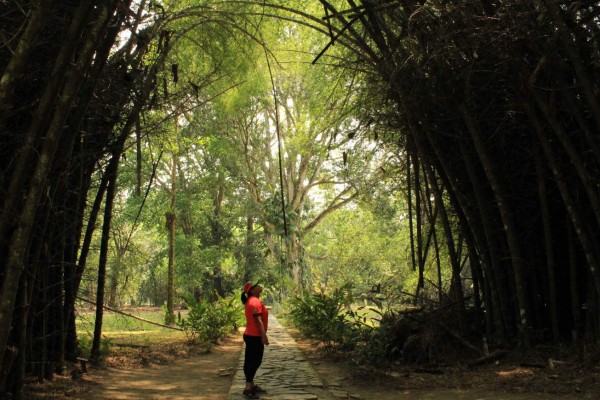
(188, 372)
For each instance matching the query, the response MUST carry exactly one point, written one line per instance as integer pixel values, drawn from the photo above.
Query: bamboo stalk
(550, 259)
(572, 210)
(509, 225)
(589, 186)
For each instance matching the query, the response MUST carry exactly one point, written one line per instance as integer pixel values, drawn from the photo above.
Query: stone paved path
(285, 373)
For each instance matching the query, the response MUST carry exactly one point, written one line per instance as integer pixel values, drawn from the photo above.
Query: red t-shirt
(255, 307)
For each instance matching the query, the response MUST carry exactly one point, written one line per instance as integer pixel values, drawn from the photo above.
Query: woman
(255, 336)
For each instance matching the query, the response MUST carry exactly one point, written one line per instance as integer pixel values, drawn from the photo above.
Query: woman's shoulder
(254, 301)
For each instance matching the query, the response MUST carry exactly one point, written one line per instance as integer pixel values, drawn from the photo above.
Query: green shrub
(208, 321)
(84, 343)
(369, 337)
(325, 318)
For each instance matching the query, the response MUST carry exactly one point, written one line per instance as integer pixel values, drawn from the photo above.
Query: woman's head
(251, 289)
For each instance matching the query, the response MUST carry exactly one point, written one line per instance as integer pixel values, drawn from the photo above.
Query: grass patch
(121, 331)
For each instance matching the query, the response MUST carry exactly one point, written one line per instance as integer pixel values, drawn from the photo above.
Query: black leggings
(253, 356)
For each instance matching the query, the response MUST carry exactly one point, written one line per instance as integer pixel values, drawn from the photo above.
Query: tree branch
(332, 207)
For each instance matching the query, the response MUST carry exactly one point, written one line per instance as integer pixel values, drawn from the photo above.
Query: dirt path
(209, 377)
(199, 377)
(190, 377)
(206, 376)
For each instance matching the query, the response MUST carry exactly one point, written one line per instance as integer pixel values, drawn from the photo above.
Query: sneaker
(258, 390)
(249, 394)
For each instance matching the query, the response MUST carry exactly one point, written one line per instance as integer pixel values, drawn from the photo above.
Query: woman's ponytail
(248, 286)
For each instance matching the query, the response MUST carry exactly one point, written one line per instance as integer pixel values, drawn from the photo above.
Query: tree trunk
(171, 217)
(439, 266)
(294, 259)
(82, 177)
(547, 226)
(499, 294)
(115, 274)
(441, 207)
(16, 253)
(409, 198)
(21, 367)
(507, 219)
(419, 223)
(249, 259)
(138, 157)
(218, 237)
(18, 243)
(459, 297)
(112, 173)
(587, 181)
(574, 285)
(574, 212)
(22, 54)
(58, 326)
(48, 100)
(170, 225)
(432, 215)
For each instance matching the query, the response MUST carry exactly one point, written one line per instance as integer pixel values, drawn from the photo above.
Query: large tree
(289, 147)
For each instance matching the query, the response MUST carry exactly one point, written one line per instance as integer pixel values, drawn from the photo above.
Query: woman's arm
(261, 328)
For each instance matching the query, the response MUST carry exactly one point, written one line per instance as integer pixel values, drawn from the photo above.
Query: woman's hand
(265, 340)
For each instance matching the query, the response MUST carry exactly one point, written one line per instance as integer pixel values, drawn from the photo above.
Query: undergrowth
(208, 321)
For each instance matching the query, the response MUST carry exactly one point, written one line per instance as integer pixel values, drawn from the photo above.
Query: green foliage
(208, 321)
(84, 343)
(326, 318)
(370, 336)
(355, 245)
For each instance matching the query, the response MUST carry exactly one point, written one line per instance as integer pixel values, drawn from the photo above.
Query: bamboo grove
(70, 101)
(493, 103)
(496, 105)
